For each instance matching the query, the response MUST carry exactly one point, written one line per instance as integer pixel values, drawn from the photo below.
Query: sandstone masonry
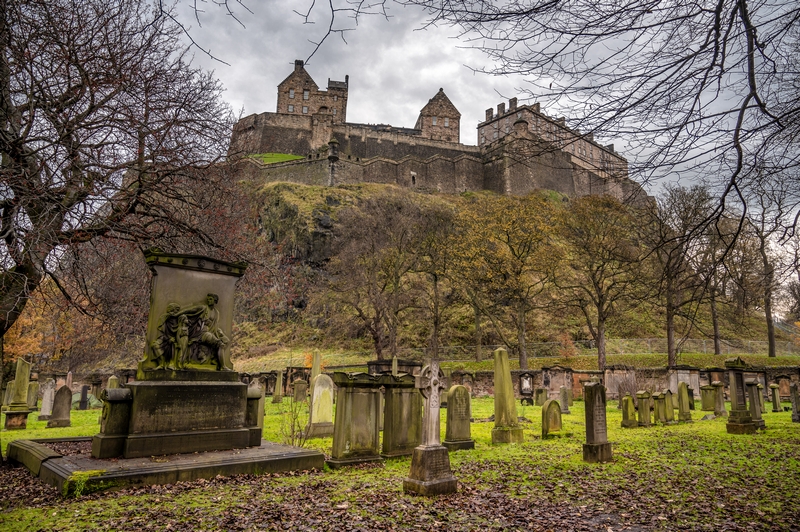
(519, 150)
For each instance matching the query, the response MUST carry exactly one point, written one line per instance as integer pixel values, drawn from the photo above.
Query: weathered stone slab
(684, 412)
(320, 421)
(597, 448)
(458, 434)
(540, 396)
(33, 395)
(62, 406)
(356, 438)
(563, 399)
(708, 398)
(643, 408)
(551, 418)
(48, 395)
(776, 397)
(277, 394)
(402, 418)
(719, 399)
(300, 390)
(794, 396)
(629, 412)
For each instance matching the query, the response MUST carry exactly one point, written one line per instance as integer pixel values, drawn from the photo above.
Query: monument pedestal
(594, 453)
(17, 419)
(430, 472)
(740, 422)
(459, 445)
(507, 435)
(319, 430)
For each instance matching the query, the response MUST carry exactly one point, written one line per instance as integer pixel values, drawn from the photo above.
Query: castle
(519, 149)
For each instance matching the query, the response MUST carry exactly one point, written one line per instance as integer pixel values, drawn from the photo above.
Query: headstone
(62, 406)
(69, 380)
(506, 422)
(113, 382)
(526, 388)
(551, 417)
(740, 419)
(33, 395)
(719, 399)
(9, 393)
(690, 393)
(753, 393)
(430, 464)
(776, 398)
(394, 366)
(320, 421)
(458, 433)
(277, 394)
(660, 410)
(48, 395)
(629, 412)
(18, 410)
(669, 409)
(643, 407)
(356, 438)
(684, 413)
(794, 396)
(84, 404)
(761, 396)
(540, 396)
(563, 399)
(402, 415)
(569, 396)
(300, 390)
(707, 398)
(597, 448)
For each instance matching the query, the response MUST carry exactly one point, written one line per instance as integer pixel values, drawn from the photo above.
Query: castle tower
(299, 94)
(439, 119)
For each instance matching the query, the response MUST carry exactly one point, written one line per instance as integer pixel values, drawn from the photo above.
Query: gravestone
(395, 371)
(48, 395)
(320, 421)
(356, 438)
(33, 395)
(18, 410)
(551, 417)
(669, 409)
(277, 393)
(597, 448)
(755, 405)
(84, 404)
(690, 393)
(540, 396)
(563, 399)
(629, 412)
(7, 395)
(506, 422)
(707, 398)
(299, 390)
(430, 464)
(684, 413)
(68, 384)
(113, 382)
(526, 388)
(740, 419)
(458, 433)
(402, 415)
(254, 413)
(62, 406)
(761, 397)
(776, 398)
(643, 408)
(719, 399)
(569, 396)
(660, 410)
(794, 396)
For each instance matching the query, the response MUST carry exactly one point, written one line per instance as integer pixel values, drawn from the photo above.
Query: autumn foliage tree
(104, 125)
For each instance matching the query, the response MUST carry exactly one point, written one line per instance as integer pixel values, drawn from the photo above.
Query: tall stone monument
(430, 464)
(18, 409)
(356, 437)
(753, 393)
(684, 412)
(794, 395)
(643, 407)
(719, 399)
(458, 433)
(186, 397)
(597, 448)
(506, 422)
(277, 393)
(563, 399)
(776, 397)
(629, 412)
(316, 369)
(740, 420)
(48, 395)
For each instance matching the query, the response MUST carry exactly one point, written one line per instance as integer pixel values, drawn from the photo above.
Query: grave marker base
(430, 472)
(507, 435)
(594, 453)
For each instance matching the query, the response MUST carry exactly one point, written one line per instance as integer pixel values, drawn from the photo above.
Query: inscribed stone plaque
(48, 395)
(458, 415)
(595, 399)
(62, 405)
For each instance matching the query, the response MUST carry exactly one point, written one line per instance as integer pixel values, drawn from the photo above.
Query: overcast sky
(394, 67)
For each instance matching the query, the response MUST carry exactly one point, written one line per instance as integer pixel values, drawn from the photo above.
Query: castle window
(508, 129)
(446, 122)
(334, 112)
(291, 93)
(494, 135)
(291, 108)
(433, 120)
(335, 98)
(305, 95)
(305, 110)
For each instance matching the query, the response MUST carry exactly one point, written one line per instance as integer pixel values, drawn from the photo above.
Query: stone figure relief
(190, 336)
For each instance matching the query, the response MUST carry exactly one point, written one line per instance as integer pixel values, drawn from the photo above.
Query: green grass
(690, 476)
(270, 158)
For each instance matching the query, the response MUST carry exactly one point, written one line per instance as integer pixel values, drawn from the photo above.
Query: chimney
(501, 109)
(512, 104)
(536, 107)
(489, 113)
(298, 64)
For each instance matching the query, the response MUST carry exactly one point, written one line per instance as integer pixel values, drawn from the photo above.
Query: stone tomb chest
(186, 397)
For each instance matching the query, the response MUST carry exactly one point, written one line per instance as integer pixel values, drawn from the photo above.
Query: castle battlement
(520, 149)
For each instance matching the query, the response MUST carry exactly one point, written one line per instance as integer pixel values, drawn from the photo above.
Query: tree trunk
(601, 343)
(671, 349)
(478, 333)
(523, 352)
(715, 320)
(769, 279)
